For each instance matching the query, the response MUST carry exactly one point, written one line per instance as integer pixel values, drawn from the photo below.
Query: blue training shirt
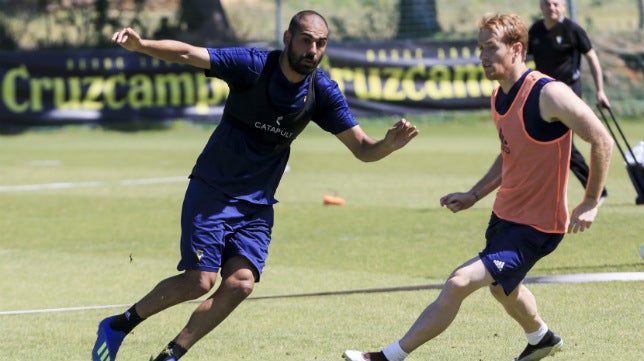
(235, 161)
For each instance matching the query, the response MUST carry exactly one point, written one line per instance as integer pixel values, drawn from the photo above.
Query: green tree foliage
(90, 23)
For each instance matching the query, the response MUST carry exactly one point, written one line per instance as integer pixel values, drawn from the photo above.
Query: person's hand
(582, 216)
(127, 38)
(400, 134)
(602, 100)
(458, 201)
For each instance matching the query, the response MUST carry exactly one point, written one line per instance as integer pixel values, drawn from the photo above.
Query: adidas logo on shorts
(499, 264)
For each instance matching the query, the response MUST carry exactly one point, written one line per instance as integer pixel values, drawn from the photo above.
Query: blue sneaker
(108, 341)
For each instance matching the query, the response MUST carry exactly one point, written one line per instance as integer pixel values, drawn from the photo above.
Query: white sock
(394, 352)
(536, 336)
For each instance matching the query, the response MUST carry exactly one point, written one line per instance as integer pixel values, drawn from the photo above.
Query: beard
(299, 63)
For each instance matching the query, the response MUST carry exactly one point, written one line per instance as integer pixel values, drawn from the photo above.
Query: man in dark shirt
(227, 215)
(557, 44)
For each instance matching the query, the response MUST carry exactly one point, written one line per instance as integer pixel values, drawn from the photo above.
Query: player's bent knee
(199, 282)
(457, 287)
(241, 285)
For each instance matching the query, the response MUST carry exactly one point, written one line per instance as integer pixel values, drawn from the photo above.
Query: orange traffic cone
(334, 200)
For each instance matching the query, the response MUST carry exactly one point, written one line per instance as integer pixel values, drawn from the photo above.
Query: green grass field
(98, 239)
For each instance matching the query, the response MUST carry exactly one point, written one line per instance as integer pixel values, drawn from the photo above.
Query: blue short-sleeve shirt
(236, 163)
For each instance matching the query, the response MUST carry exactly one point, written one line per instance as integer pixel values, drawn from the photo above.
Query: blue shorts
(215, 228)
(512, 249)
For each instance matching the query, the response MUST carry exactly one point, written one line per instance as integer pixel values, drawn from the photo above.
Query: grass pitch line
(64, 309)
(571, 278)
(38, 187)
(588, 277)
(72, 185)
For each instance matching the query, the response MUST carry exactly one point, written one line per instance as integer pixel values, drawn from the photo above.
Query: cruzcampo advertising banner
(409, 77)
(114, 85)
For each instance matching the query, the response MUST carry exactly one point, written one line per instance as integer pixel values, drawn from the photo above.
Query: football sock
(127, 321)
(394, 352)
(536, 336)
(172, 352)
